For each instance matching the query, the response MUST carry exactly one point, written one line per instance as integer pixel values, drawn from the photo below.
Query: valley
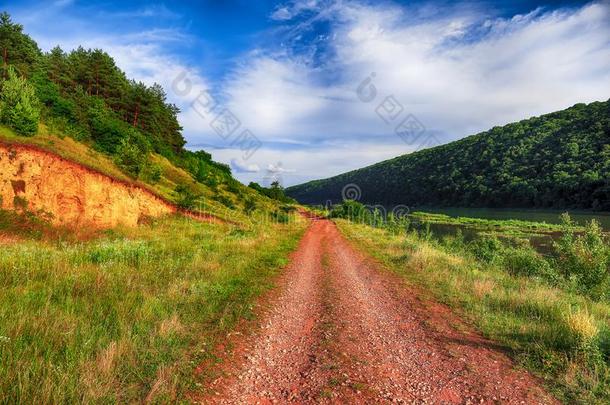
(150, 253)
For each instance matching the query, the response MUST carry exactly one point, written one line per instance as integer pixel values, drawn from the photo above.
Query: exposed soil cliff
(71, 193)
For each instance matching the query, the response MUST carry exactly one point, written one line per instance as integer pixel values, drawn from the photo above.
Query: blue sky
(289, 71)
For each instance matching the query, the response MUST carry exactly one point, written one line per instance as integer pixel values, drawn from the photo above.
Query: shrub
(130, 157)
(249, 205)
(152, 172)
(211, 181)
(525, 261)
(486, 248)
(19, 106)
(109, 132)
(396, 224)
(584, 259)
(186, 199)
(352, 210)
(280, 216)
(224, 200)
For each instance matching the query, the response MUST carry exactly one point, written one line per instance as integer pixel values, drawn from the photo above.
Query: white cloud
(458, 70)
(458, 74)
(239, 166)
(524, 66)
(289, 11)
(273, 96)
(151, 10)
(278, 168)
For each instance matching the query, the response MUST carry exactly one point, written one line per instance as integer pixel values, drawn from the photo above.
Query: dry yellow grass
(170, 326)
(483, 287)
(582, 326)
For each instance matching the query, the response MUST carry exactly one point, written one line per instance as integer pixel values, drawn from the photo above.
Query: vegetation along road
(342, 329)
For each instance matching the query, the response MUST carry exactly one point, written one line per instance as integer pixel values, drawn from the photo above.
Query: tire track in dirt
(343, 330)
(398, 350)
(281, 361)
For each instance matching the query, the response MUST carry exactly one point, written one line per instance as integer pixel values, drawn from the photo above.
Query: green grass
(508, 227)
(559, 335)
(126, 317)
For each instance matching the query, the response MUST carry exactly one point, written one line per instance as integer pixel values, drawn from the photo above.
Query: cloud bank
(458, 73)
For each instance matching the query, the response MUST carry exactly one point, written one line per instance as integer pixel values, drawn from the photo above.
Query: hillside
(82, 107)
(76, 195)
(557, 160)
(67, 158)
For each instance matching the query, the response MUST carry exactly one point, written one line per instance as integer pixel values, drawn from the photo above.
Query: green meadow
(127, 314)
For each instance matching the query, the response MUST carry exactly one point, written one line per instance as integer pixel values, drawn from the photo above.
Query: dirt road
(342, 330)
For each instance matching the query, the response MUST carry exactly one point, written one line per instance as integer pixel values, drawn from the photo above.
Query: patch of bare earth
(279, 362)
(343, 330)
(7, 239)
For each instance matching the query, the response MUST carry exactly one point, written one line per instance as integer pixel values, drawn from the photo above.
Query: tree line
(558, 160)
(83, 94)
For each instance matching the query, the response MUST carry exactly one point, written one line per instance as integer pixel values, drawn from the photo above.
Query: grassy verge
(126, 317)
(509, 227)
(560, 335)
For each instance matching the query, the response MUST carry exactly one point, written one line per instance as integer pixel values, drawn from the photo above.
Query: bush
(224, 200)
(584, 259)
(152, 172)
(280, 217)
(275, 192)
(352, 210)
(486, 248)
(186, 199)
(109, 132)
(249, 205)
(130, 158)
(19, 106)
(525, 261)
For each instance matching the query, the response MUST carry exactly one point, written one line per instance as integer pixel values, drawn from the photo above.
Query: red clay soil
(341, 329)
(199, 216)
(7, 239)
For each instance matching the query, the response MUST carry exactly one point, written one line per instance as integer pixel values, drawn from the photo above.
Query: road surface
(340, 329)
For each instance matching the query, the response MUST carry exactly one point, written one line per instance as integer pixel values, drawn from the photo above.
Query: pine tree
(19, 107)
(16, 48)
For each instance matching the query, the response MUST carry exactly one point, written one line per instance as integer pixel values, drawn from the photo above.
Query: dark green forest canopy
(558, 160)
(85, 95)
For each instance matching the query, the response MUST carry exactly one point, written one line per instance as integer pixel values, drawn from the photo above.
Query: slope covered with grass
(128, 315)
(229, 199)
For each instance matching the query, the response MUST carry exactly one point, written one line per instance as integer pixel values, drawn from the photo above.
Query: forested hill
(558, 160)
(83, 94)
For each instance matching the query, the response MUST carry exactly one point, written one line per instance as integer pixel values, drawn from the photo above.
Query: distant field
(530, 215)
